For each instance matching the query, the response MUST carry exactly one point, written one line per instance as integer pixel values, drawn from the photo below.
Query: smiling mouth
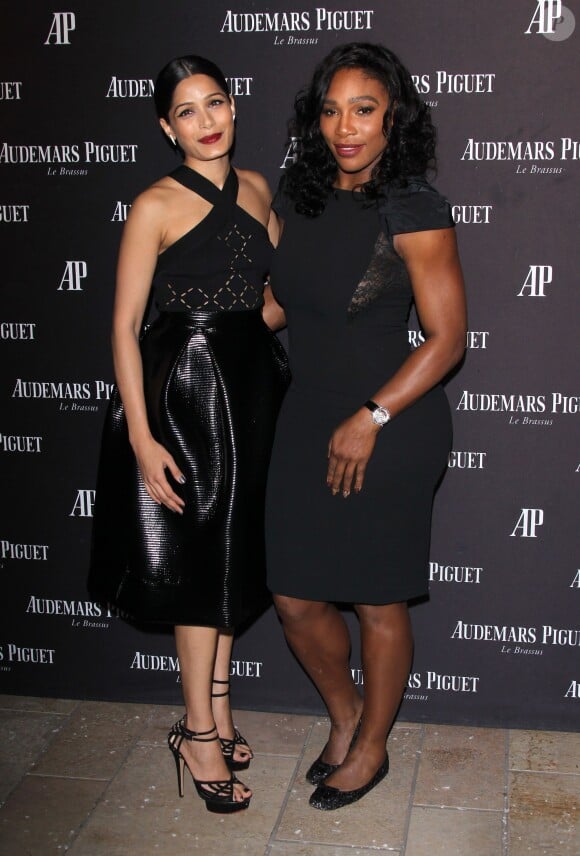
(211, 138)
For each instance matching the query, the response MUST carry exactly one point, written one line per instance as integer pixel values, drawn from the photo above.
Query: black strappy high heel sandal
(217, 795)
(229, 744)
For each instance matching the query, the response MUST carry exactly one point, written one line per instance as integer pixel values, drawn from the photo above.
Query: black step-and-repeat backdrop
(499, 641)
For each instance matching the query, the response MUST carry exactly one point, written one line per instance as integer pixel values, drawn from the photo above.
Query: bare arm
(433, 264)
(141, 240)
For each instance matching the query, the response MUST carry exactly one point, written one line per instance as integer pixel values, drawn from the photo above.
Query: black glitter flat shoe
(327, 798)
(319, 770)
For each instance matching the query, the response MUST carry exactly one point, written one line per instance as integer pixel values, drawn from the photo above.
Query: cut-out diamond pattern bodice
(221, 263)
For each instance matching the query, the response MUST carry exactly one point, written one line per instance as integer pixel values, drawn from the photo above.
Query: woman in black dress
(178, 529)
(365, 430)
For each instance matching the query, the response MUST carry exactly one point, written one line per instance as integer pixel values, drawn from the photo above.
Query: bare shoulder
(152, 199)
(153, 203)
(255, 181)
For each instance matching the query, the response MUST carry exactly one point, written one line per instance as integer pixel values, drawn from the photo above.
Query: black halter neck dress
(214, 377)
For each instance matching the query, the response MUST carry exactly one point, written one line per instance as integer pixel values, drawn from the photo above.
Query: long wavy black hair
(410, 134)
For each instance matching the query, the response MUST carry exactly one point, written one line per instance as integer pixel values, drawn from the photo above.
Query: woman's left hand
(349, 451)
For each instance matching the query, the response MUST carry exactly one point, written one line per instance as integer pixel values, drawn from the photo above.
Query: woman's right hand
(272, 313)
(153, 459)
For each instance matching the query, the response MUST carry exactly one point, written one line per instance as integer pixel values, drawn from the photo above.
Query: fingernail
(181, 479)
(346, 493)
(334, 492)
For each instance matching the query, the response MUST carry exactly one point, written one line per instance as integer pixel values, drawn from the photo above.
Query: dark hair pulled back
(179, 69)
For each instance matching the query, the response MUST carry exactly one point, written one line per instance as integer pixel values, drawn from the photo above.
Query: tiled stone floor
(91, 778)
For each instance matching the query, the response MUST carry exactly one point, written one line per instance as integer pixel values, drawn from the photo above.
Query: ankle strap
(198, 736)
(220, 695)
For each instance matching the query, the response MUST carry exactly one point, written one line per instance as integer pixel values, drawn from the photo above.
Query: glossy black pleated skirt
(213, 382)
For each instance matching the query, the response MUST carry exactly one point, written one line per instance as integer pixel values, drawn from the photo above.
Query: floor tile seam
(459, 808)
(286, 798)
(544, 772)
(123, 756)
(50, 739)
(418, 758)
(71, 846)
(337, 846)
(542, 732)
(64, 776)
(101, 796)
(37, 712)
(7, 797)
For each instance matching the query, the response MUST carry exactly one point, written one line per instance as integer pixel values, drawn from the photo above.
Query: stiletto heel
(217, 795)
(229, 744)
(180, 765)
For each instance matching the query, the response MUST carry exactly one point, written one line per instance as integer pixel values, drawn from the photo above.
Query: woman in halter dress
(178, 529)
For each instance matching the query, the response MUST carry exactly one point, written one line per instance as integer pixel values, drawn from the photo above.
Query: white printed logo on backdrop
(63, 24)
(10, 90)
(285, 24)
(12, 653)
(14, 213)
(75, 271)
(552, 20)
(523, 409)
(443, 82)
(538, 277)
(84, 503)
(528, 523)
(17, 331)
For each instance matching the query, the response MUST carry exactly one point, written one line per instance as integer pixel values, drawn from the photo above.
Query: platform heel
(217, 795)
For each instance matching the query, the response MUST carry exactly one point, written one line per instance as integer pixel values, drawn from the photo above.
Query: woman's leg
(196, 650)
(317, 634)
(221, 707)
(387, 649)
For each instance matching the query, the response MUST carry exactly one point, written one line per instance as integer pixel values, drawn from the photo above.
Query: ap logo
(552, 20)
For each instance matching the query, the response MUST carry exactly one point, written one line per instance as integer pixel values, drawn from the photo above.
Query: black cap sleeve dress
(347, 297)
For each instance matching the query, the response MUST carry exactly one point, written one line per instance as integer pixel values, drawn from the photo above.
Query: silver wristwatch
(379, 414)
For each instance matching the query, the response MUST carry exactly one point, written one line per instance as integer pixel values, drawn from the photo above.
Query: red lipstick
(210, 139)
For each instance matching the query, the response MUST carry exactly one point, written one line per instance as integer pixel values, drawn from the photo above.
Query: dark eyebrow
(354, 100)
(205, 98)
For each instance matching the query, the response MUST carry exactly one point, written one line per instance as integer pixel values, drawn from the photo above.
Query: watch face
(380, 416)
